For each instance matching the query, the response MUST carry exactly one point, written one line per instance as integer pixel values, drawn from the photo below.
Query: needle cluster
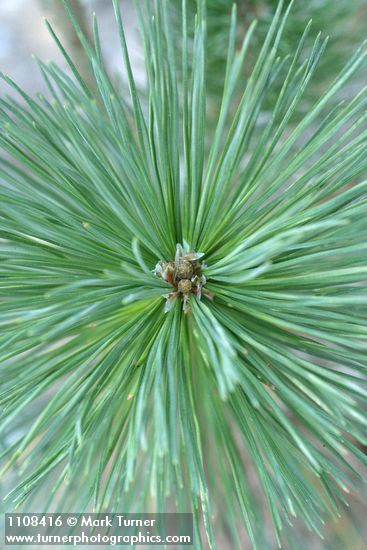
(251, 405)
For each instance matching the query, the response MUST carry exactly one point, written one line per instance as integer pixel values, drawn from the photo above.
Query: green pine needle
(344, 21)
(126, 406)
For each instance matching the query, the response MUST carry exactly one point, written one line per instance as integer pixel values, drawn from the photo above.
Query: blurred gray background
(23, 33)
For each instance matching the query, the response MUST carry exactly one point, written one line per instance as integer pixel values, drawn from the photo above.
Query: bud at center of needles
(185, 274)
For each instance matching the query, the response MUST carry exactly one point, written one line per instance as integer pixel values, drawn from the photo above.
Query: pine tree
(176, 324)
(344, 22)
